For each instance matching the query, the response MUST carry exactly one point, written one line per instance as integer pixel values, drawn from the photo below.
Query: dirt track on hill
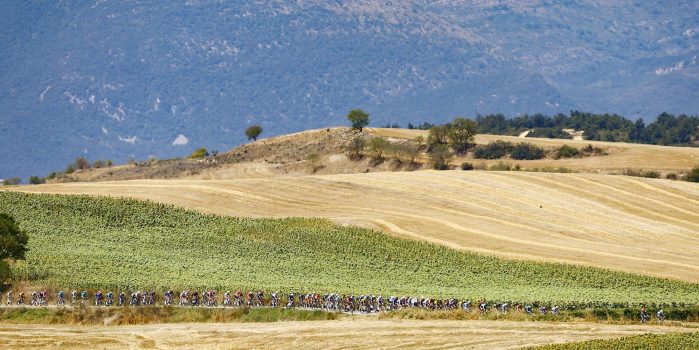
(366, 334)
(622, 223)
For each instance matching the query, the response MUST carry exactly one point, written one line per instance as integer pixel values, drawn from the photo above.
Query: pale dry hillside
(358, 333)
(623, 223)
(287, 156)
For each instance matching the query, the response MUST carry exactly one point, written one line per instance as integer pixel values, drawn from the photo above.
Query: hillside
(287, 156)
(100, 243)
(623, 223)
(118, 79)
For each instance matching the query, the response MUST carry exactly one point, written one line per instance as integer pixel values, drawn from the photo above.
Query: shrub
(356, 148)
(526, 151)
(13, 181)
(467, 166)
(70, 169)
(82, 163)
(671, 176)
(500, 166)
(35, 180)
(493, 150)
(439, 154)
(199, 153)
(651, 174)
(567, 152)
(313, 160)
(377, 146)
(589, 149)
(693, 175)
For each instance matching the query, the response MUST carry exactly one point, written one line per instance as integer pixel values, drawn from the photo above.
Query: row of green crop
(679, 341)
(86, 242)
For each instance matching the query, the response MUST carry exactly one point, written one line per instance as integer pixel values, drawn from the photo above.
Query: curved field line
(599, 220)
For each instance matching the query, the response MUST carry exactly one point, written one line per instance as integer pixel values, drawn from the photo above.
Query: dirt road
(367, 334)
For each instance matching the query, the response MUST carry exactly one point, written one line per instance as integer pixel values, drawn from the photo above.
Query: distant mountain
(113, 79)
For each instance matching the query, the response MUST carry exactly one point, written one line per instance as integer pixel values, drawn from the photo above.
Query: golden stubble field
(360, 333)
(638, 225)
(621, 156)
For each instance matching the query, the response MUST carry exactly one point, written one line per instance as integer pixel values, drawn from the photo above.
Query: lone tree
(461, 134)
(253, 132)
(199, 153)
(13, 244)
(358, 118)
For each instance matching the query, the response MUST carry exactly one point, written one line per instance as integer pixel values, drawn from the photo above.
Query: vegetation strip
(153, 315)
(128, 244)
(678, 341)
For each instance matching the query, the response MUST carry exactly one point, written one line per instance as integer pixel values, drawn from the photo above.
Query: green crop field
(88, 242)
(679, 341)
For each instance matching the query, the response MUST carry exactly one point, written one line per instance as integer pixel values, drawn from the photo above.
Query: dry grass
(629, 224)
(622, 156)
(286, 156)
(361, 333)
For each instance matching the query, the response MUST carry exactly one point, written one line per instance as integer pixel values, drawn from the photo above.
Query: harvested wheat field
(366, 334)
(623, 223)
(621, 156)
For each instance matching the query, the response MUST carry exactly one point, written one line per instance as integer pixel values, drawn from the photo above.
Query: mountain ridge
(113, 80)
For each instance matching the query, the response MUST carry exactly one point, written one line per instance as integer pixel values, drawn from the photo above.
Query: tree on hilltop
(200, 152)
(253, 132)
(358, 118)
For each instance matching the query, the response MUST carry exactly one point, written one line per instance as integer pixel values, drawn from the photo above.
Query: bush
(253, 132)
(313, 160)
(377, 146)
(356, 148)
(439, 154)
(526, 151)
(35, 180)
(82, 163)
(567, 152)
(13, 181)
(467, 166)
(199, 153)
(589, 150)
(693, 175)
(500, 166)
(671, 176)
(493, 150)
(651, 174)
